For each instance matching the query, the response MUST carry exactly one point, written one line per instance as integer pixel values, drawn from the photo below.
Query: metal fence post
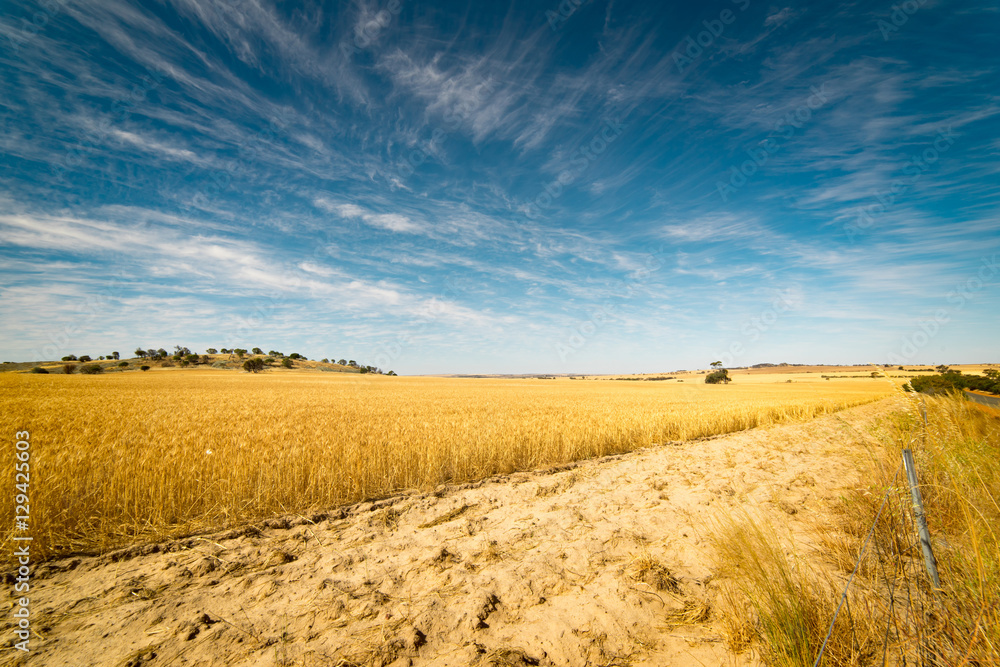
(918, 510)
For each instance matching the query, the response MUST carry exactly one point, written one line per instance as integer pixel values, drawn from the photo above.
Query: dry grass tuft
(692, 612)
(778, 604)
(737, 620)
(386, 519)
(509, 657)
(492, 552)
(649, 570)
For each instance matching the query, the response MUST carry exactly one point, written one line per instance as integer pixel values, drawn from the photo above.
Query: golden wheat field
(133, 457)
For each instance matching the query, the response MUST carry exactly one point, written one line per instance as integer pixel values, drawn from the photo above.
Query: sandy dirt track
(604, 562)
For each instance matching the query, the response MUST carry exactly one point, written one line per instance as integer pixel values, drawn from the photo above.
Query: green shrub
(716, 377)
(143, 368)
(69, 368)
(39, 369)
(954, 381)
(254, 365)
(286, 362)
(122, 364)
(91, 369)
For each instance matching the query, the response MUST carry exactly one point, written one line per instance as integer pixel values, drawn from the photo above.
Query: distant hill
(221, 362)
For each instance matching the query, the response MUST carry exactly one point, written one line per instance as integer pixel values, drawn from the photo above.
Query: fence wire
(892, 559)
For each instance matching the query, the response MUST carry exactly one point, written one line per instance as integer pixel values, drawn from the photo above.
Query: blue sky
(483, 187)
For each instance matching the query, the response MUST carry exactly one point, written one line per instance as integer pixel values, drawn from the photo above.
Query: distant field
(797, 374)
(135, 456)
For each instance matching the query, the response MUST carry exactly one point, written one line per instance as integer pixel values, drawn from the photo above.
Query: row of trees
(256, 365)
(86, 357)
(185, 356)
(88, 369)
(182, 352)
(953, 380)
(353, 364)
(151, 353)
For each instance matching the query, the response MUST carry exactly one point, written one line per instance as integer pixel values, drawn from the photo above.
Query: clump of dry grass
(782, 606)
(648, 569)
(126, 458)
(692, 611)
(508, 657)
(684, 609)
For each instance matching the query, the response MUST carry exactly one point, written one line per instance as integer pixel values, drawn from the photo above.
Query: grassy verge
(782, 605)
